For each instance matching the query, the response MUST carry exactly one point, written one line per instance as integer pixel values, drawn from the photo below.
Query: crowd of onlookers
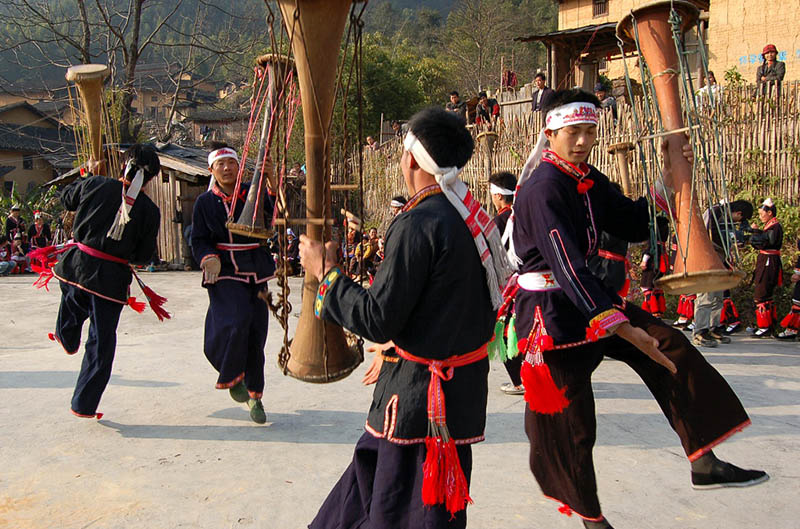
(18, 240)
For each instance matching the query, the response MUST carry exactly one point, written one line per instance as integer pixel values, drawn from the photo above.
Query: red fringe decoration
(52, 337)
(792, 320)
(156, 302)
(661, 301)
(138, 306)
(522, 345)
(729, 313)
(45, 275)
(764, 315)
(541, 392)
(689, 307)
(681, 305)
(443, 479)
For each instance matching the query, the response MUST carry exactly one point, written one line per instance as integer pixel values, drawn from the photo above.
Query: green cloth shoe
(239, 392)
(257, 411)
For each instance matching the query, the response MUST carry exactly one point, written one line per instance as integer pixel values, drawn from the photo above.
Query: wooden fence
(751, 143)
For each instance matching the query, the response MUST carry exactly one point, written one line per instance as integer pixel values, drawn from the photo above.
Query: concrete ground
(173, 452)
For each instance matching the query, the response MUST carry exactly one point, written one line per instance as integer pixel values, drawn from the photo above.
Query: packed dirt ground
(173, 452)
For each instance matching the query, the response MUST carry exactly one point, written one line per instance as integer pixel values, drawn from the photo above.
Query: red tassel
(564, 509)
(594, 332)
(156, 302)
(45, 275)
(545, 342)
(541, 392)
(763, 316)
(626, 288)
(522, 345)
(138, 306)
(52, 337)
(689, 307)
(443, 479)
(661, 301)
(681, 310)
(585, 185)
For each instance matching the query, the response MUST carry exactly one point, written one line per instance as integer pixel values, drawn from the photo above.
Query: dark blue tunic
(556, 228)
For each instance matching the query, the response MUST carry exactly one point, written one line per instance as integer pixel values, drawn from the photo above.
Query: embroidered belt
(538, 281)
(770, 252)
(233, 247)
(611, 256)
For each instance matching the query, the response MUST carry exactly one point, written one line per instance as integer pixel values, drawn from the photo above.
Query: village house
(34, 147)
(734, 33)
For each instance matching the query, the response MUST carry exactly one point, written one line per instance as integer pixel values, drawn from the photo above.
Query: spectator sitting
(771, 72)
(19, 255)
(6, 264)
(457, 106)
(487, 111)
(372, 145)
(543, 95)
(297, 171)
(39, 234)
(606, 101)
(14, 224)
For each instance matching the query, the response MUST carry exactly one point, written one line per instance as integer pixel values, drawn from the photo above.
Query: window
(27, 162)
(602, 65)
(8, 187)
(599, 8)
(154, 99)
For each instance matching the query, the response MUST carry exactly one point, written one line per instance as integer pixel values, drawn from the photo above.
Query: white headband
(497, 190)
(483, 230)
(224, 152)
(557, 118)
(426, 162)
(768, 203)
(396, 204)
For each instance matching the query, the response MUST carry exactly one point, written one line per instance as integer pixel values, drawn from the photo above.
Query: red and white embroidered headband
(224, 152)
(571, 114)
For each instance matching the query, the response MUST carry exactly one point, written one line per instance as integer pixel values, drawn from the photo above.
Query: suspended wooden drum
(319, 351)
(698, 268)
(251, 220)
(89, 79)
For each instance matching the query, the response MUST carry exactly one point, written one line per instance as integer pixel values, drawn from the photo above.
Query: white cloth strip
(538, 281)
(128, 199)
(224, 152)
(497, 190)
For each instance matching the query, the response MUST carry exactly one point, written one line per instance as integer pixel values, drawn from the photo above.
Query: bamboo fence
(751, 143)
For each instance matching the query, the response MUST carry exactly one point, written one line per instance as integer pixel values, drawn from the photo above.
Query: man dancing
(235, 274)
(412, 469)
(572, 321)
(95, 272)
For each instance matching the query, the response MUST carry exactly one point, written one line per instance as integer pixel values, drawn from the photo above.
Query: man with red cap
(771, 72)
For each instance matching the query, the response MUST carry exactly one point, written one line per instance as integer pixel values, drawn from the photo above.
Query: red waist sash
(443, 478)
(770, 252)
(233, 247)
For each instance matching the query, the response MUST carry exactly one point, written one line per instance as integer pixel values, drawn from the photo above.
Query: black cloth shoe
(724, 474)
(597, 525)
(704, 340)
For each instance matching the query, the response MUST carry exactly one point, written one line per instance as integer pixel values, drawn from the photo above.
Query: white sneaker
(510, 389)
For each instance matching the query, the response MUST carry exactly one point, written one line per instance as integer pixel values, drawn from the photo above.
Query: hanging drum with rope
(657, 31)
(320, 351)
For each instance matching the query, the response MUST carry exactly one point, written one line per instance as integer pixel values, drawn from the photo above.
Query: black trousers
(698, 403)
(382, 489)
(235, 334)
(76, 306)
(513, 366)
